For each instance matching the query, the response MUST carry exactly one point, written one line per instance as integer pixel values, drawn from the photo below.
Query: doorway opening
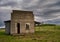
(18, 28)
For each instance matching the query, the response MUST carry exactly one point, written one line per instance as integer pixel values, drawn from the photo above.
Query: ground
(42, 34)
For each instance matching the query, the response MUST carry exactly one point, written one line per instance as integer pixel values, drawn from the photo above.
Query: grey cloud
(0, 0)
(48, 14)
(8, 3)
(42, 8)
(4, 15)
(1, 22)
(53, 5)
(56, 21)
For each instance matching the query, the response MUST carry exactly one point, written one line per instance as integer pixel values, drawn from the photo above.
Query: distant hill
(48, 25)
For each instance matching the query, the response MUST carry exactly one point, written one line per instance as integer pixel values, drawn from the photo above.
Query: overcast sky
(44, 10)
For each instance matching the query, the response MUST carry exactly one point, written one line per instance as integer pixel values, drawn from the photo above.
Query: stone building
(21, 22)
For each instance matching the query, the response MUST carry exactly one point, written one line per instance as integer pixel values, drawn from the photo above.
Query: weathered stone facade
(22, 22)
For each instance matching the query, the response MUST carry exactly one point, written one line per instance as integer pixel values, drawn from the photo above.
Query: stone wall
(7, 27)
(22, 17)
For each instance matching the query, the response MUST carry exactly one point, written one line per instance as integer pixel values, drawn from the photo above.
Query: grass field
(42, 34)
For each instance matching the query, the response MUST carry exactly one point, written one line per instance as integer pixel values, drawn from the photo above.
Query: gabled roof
(34, 21)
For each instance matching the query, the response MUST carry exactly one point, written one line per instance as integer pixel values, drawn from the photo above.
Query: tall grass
(47, 28)
(42, 34)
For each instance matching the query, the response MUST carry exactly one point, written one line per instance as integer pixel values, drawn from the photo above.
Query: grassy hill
(42, 34)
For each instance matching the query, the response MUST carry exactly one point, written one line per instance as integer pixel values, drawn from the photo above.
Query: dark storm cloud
(44, 10)
(47, 10)
(56, 21)
(32, 4)
(7, 3)
(53, 5)
(50, 12)
(4, 15)
(1, 22)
